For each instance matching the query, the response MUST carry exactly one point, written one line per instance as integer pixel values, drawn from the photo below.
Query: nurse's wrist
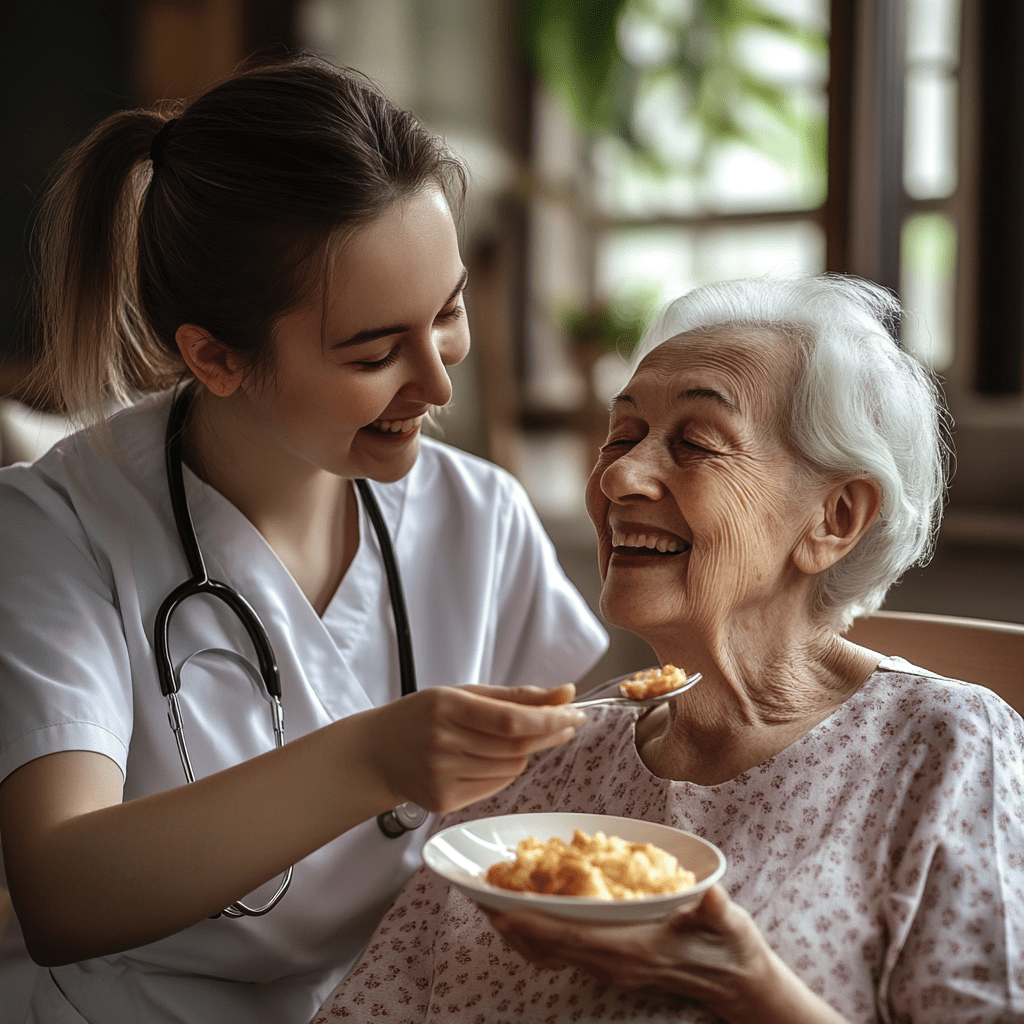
(359, 771)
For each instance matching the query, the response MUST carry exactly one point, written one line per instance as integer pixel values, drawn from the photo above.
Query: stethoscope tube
(393, 823)
(199, 581)
(408, 816)
(406, 665)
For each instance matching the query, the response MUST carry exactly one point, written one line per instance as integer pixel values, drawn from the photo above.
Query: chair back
(975, 650)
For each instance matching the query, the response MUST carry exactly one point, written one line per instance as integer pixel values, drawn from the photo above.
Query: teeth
(648, 540)
(397, 426)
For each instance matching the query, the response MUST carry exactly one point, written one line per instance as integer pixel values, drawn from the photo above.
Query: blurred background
(621, 152)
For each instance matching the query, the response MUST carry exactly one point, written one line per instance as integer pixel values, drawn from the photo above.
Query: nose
(637, 474)
(453, 346)
(441, 349)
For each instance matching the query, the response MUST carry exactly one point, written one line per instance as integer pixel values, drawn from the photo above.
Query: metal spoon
(593, 702)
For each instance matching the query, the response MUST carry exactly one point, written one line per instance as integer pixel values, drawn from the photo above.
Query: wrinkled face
(351, 384)
(696, 498)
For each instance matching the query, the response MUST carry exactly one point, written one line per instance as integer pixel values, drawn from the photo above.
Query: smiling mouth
(394, 428)
(648, 544)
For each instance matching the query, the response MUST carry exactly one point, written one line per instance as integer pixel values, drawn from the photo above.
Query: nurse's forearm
(118, 876)
(90, 875)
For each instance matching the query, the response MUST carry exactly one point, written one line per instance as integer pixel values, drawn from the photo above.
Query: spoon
(636, 702)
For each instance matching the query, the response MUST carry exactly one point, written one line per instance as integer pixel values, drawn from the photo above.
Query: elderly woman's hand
(713, 953)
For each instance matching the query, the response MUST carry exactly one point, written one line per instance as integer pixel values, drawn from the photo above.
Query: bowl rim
(480, 884)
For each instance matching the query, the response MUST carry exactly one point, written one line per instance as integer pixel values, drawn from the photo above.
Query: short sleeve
(65, 679)
(549, 634)
(962, 960)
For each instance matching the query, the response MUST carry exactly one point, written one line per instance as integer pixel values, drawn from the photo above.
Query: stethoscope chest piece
(401, 819)
(393, 823)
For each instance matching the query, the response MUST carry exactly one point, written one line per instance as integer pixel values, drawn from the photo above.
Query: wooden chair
(975, 650)
(5, 901)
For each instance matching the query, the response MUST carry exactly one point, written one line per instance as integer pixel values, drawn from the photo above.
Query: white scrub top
(89, 552)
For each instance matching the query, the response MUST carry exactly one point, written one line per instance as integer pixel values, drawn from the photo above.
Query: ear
(213, 363)
(844, 516)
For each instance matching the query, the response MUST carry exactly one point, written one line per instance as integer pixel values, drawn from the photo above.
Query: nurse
(281, 255)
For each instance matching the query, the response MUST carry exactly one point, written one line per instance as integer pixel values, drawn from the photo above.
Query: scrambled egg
(605, 867)
(653, 682)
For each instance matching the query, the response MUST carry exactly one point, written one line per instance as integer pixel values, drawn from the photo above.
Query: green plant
(576, 49)
(614, 326)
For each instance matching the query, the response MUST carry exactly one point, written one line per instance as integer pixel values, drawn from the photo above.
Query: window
(928, 234)
(717, 169)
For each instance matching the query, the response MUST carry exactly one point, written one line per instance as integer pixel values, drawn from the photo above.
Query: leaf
(575, 49)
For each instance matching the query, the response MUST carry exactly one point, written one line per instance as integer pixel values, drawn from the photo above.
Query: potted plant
(605, 328)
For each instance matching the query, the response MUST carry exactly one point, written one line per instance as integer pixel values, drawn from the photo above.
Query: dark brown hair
(223, 222)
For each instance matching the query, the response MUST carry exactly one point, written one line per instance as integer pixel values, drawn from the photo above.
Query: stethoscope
(267, 681)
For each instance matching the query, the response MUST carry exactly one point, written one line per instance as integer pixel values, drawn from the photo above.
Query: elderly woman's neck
(756, 699)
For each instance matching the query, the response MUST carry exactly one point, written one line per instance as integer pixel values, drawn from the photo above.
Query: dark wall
(1001, 270)
(63, 66)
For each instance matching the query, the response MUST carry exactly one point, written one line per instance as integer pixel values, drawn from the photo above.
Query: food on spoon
(653, 682)
(605, 867)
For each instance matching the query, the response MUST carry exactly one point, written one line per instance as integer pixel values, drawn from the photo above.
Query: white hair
(861, 406)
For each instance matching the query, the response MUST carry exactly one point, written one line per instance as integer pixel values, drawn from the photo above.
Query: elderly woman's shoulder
(914, 696)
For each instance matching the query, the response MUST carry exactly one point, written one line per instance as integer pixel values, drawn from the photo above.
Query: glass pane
(672, 261)
(930, 139)
(811, 13)
(735, 177)
(784, 174)
(745, 131)
(661, 259)
(933, 31)
(728, 252)
(625, 186)
(927, 284)
(780, 59)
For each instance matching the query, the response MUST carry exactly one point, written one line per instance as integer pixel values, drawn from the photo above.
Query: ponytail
(95, 345)
(219, 215)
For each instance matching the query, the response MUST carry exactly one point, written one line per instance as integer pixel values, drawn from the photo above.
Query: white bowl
(461, 854)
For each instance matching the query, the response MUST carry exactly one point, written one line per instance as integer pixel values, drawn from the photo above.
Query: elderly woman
(773, 466)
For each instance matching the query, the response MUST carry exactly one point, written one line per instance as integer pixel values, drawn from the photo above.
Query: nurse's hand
(446, 747)
(159, 863)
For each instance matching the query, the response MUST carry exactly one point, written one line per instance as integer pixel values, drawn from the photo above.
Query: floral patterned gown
(881, 855)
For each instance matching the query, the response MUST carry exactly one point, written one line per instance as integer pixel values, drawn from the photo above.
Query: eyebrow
(689, 394)
(373, 333)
